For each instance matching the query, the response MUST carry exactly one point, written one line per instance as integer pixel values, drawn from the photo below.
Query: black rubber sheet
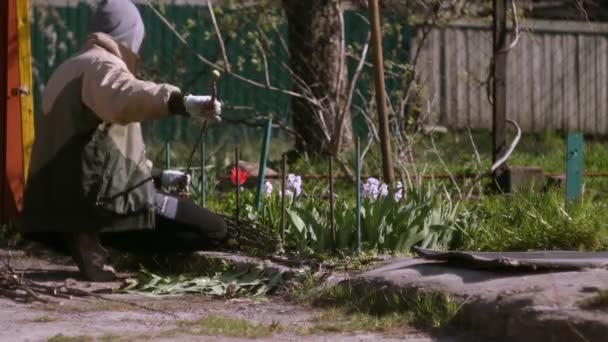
(541, 260)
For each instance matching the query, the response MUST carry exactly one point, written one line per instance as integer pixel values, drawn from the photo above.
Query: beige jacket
(88, 169)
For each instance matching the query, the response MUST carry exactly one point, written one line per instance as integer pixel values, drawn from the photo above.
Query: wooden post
(499, 89)
(5, 211)
(26, 92)
(16, 120)
(376, 42)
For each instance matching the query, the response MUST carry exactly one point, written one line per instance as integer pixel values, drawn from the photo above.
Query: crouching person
(89, 181)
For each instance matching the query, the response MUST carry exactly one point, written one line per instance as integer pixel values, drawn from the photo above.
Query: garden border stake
(167, 155)
(574, 167)
(263, 162)
(283, 185)
(202, 182)
(238, 187)
(358, 190)
(332, 214)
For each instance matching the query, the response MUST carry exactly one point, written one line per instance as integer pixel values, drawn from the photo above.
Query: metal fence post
(167, 155)
(574, 167)
(283, 188)
(202, 181)
(263, 162)
(237, 185)
(358, 191)
(332, 205)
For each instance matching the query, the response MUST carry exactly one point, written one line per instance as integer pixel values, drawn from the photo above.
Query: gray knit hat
(121, 20)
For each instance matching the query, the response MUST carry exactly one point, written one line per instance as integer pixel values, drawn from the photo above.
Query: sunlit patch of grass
(597, 302)
(337, 320)
(44, 319)
(102, 338)
(66, 338)
(218, 325)
(428, 310)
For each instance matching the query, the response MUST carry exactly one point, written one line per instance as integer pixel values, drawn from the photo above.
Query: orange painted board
(3, 98)
(12, 134)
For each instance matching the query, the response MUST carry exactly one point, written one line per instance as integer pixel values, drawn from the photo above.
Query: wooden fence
(557, 76)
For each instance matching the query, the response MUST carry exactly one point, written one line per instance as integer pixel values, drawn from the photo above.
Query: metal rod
(283, 186)
(263, 162)
(376, 39)
(167, 155)
(203, 174)
(237, 185)
(344, 177)
(332, 216)
(358, 190)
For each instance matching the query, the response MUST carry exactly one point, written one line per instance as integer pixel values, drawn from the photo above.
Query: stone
(523, 178)
(502, 306)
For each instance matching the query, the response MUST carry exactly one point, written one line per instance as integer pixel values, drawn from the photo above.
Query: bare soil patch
(185, 318)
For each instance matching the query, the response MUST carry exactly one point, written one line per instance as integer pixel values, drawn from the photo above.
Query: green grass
(597, 302)
(65, 338)
(340, 321)
(546, 150)
(218, 325)
(426, 310)
(45, 319)
(534, 221)
(521, 221)
(102, 338)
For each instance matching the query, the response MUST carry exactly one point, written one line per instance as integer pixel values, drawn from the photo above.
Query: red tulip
(243, 175)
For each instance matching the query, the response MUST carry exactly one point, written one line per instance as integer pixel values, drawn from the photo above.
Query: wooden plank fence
(557, 76)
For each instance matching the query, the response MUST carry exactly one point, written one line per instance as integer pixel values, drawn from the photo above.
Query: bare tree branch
(215, 66)
(444, 165)
(220, 41)
(265, 60)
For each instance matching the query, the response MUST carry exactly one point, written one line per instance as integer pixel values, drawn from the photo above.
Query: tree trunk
(315, 46)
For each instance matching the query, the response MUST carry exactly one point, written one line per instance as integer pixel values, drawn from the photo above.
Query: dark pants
(181, 226)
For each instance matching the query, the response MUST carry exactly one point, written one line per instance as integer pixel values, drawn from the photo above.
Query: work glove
(202, 108)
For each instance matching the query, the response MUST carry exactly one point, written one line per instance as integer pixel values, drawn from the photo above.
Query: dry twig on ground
(15, 286)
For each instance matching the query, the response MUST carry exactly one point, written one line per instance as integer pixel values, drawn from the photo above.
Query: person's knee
(205, 222)
(216, 227)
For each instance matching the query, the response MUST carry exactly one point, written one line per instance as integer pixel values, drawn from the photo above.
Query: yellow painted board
(25, 75)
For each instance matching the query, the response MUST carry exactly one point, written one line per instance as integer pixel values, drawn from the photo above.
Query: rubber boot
(90, 257)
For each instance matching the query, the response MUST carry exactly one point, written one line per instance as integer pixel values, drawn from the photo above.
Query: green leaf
(296, 221)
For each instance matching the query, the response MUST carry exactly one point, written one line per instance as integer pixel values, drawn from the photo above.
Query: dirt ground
(86, 319)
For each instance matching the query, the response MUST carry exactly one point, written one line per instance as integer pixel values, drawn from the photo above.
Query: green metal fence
(58, 32)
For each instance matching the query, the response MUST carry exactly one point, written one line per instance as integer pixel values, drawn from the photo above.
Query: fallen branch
(16, 287)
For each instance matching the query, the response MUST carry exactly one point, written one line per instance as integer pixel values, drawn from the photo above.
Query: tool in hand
(215, 75)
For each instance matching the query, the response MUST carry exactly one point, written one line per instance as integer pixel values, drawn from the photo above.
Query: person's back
(89, 173)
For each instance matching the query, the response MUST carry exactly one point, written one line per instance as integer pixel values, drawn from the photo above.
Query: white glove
(202, 108)
(171, 178)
